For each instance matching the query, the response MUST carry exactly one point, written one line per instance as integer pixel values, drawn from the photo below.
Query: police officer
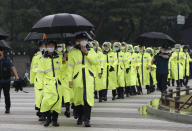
(50, 68)
(34, 79)
(119, 70)
(186, 65)
(6, 66)
(81, 78)
(161, 60)
(177, 61)
(109, 75)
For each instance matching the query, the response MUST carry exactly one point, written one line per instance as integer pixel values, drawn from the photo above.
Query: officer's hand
(137, 68)
(16, 78)
(111, 69)
(70, 84)
(152, 68)
(127, 70)
(84, 50)
(100, 75)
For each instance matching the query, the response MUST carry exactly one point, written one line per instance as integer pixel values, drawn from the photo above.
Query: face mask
(77, 43)
(107, 49)
(83, 43)
(116, 48)
(164, 52)
(42, 49)
(185, 50)
(177, 50)
(129, 50)
(50, 49)
(94, 47)
(123, 47)
(69, 48)
(60, 49)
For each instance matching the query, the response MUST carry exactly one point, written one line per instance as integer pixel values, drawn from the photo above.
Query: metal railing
(178, 104)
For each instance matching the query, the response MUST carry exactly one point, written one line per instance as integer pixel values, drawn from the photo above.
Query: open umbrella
(34, 36)
(62, 23)
(155, 39)
(3, 34)
(4, 44)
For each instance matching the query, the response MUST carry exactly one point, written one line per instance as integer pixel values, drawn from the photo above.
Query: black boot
(67, 112)
(122, 92)
(48, 121)
(42, 117)
(119, 93)
(87, 123)
(173, 82)
(54, 119)
(148, 89)
(104, 95)
(114, 94)
(127, 91)
(7, 110)
(96, 96)
(79, 121)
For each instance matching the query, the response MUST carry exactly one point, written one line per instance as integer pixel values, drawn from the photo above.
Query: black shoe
(119, 97)
(96, 97)
(100, 100)
(148, 92)
(75, 114)
(7, 111)
(87, 124)
(79, 122)
(47, 123)
(38, 114)
(67, 114)
(55, 124)
(105, 98)
(113, 98)
(42, 118)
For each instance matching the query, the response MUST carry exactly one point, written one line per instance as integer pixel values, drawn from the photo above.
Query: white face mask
(116, 48)
(177, 50)
(42, 49)
(129, 50)
(50, 49)
(60, 49)
(69, 48)
(83, 43)
(94, 47)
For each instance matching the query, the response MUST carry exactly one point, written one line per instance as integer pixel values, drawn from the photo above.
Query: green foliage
(114, 19)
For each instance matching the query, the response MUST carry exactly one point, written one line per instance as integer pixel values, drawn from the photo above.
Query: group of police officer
(76, 74)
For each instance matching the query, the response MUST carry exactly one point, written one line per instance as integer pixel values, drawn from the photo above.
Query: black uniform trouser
(185, 81)
(83, 112)
(103, 93)
(162, 81)
(5, 86)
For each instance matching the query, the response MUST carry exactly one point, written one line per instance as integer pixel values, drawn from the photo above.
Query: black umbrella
(3, 34)
(155, 39)
(62, 23)
(4, 44)
(34, 36)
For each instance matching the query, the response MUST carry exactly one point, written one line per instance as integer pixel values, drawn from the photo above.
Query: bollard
(171, 93)
(178, 92)
(187, 90)
(166, 100)
(177, 104)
